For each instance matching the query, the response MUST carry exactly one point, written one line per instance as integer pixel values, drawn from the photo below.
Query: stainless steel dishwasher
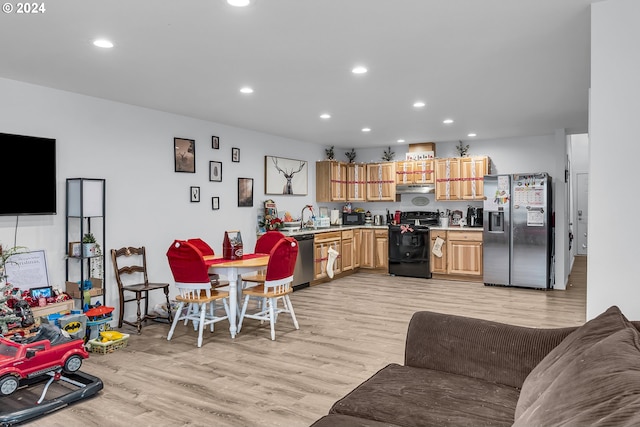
(303, 273)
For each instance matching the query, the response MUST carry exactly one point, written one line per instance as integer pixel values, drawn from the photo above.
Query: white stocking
(333, 254)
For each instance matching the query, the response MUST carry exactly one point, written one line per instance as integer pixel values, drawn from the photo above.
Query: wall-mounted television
(28, 168)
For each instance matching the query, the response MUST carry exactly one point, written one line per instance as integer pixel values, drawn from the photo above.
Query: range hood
(415, 188)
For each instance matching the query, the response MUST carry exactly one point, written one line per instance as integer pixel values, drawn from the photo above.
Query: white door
(582, 192)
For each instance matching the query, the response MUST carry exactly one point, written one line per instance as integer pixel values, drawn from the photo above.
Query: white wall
(148, 203)
(132, 148)
(614, 154)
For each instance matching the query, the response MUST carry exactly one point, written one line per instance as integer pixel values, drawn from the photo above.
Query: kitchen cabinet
(461, 178)
(331, 181)
(357, 243)
(381, 258)
(448, 179)
(464, 253)
(438, 264)
(356, 182)
(321, 245)
(472, 171)
(346, 253)
(381, 182)
(374, 252)
(415, 172)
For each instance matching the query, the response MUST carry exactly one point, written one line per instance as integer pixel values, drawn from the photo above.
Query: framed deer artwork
(285, 176)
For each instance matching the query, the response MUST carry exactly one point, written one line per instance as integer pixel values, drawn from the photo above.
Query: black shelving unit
(85, 213)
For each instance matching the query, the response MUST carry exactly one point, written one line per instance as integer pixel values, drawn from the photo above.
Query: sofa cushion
(409, 396)
(566, 352)
(601, 387)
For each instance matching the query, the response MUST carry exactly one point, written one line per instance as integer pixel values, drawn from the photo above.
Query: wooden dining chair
(277, 286)
(196, 298)
(130, 268)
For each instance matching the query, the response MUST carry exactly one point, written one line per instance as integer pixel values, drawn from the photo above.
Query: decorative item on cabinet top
(285, 176)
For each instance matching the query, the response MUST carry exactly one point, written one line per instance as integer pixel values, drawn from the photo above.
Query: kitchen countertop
(379, 227)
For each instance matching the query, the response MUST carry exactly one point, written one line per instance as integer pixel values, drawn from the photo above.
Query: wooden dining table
(233, 269)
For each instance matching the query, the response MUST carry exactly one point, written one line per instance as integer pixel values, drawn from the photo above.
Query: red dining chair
(264, 244)
(208, 250)
(276, 286)
(194, 289)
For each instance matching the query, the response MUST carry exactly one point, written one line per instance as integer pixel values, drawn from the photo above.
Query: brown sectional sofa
(460, 371)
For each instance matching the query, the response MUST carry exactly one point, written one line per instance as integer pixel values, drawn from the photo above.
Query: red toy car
(20, 360)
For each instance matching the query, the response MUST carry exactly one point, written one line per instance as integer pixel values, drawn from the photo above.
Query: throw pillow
(601, 387)
(568, 350)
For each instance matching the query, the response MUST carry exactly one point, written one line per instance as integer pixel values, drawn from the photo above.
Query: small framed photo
(45, 291)
(215, 203)
(245, 192)
(235, 155)
(215, 171)
(215, 142)
(75, 249)
(184, 152)
(195, 194)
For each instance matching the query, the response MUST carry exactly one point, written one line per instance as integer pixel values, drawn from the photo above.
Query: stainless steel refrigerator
(517, 243)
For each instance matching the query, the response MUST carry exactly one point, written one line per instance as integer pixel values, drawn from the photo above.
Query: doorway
(582, 213)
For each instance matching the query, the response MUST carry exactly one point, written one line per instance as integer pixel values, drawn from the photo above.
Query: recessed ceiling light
(366, 129)
(419, 104)
(239, 3)
(103, 43)
(246, 89)
(447, 121)
(359, 70)
(325, 116)
(400, 141)
(471, 134)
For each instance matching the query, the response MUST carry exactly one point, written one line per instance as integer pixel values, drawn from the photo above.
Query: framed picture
(75, 249)
(45, 291)
(215, 203)
(26, 270)
(285, 176)
(245, 192)
(235, 155)
(195, 194)
(215, 142)
(215, 171)
(184, 151)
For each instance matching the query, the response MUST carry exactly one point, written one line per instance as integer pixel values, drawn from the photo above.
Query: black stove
(420, 217)
(409, 244)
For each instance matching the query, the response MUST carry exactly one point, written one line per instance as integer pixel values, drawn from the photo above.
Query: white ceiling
(499, 68)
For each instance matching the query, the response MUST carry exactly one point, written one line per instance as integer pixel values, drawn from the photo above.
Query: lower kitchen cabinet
(321, 245)
(464, 253)
(346, 254)
(438, 264)
(374, 252)
(461, 254)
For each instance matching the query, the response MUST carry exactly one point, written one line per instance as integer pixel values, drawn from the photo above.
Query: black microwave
(353, 218)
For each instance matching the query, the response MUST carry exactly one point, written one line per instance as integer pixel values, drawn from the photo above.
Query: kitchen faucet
(310, 207)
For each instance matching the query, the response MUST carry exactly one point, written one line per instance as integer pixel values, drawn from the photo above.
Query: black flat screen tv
(28, 175)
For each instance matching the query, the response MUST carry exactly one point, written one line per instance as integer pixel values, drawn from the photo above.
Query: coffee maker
(474, 216)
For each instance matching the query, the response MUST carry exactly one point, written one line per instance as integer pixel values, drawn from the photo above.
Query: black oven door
(409, 251)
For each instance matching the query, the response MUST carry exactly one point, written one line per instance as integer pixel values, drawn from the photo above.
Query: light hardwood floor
(349, 329)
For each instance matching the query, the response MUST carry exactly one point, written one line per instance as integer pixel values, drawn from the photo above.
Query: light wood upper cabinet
(461, 178)
(381, 182)
(472, 171)
(415, 172)
(448, 179)
(356, 182)
(331, 181)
